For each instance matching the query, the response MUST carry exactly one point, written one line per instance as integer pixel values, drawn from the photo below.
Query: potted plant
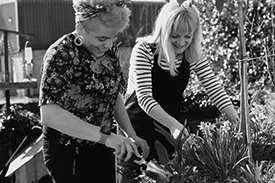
(13, 129)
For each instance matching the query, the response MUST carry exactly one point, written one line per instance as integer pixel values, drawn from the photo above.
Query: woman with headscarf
(80, 97)
(160, 67)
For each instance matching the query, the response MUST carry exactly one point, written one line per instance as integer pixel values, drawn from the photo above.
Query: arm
(231, 114)
(123, 120)
(62, 120)
(214, 89)
(164, 118)
(57, 118)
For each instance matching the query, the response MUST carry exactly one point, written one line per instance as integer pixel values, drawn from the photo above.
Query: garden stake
(244, 122)
(273, 45)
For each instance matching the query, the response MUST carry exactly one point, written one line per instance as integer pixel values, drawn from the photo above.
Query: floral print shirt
(80, 83)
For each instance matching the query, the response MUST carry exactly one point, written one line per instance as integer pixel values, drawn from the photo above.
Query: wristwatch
(105, 132)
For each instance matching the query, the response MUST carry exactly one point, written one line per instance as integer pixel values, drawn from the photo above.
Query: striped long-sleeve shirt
(140, 78)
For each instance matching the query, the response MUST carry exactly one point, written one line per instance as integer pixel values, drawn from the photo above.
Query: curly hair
(115, 17)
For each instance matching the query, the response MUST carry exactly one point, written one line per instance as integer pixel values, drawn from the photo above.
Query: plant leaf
(166, 134)
(162, 153)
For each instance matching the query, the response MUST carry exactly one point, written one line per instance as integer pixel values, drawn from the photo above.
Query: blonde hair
(174, 17)
(115, 17)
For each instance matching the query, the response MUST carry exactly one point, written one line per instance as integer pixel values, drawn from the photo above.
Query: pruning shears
(152, 167)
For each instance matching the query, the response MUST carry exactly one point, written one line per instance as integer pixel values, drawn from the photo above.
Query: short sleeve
(56, 77)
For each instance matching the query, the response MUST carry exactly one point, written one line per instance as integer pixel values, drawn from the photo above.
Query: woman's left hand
(142, 144)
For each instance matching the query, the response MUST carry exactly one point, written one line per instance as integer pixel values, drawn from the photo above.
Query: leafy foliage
(260, 172)
(221, 40)
(262, 117)
(220, 153)
(14, 127)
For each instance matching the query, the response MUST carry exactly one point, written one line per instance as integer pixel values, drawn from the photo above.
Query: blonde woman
(80, 97)
(160, 66)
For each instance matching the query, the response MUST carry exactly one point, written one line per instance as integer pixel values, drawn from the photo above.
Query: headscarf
(85, 12)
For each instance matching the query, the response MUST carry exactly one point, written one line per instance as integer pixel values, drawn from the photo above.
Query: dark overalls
(167, 91)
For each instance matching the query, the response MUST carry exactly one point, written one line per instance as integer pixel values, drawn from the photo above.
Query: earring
(78, 40)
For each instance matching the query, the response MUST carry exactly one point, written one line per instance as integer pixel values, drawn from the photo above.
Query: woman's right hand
(176, 129)
(122, 145)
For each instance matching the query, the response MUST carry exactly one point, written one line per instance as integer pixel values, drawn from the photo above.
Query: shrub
(13, 128)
